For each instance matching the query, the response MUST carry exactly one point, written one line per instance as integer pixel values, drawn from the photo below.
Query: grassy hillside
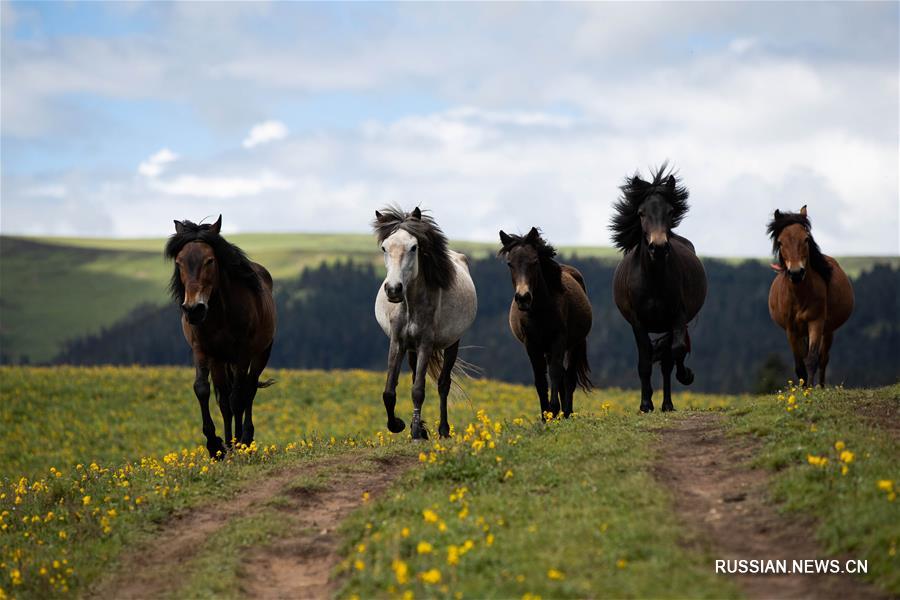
(54, 289)
(94, 459)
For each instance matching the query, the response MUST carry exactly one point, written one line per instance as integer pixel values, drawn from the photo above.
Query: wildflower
(365, 496)
(359, 565)
(621, 563)
(431, 576)
(452, 555)
(839, 445)
(508, 474)
(886, 485)
(86, 500)
(429, 515)
(401, 571)
(489, 540)
(424, 548)
(555, 574)
(817, 461)
(442, 527)
(847, 456)
(404, 532)
(361, 548)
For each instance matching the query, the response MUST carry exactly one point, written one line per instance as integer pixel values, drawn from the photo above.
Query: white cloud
(156, 163)
(52, 190)
(265, 132)
(222, 187)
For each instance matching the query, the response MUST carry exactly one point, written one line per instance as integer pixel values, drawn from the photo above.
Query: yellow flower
(424, 548)
(361, 548)
(442, 526)
(404, 532)
(86, 500)
(489, 540)
(508, 474)
(818, 461)
(621, 563)
(365, 496)
(452, 555)
(886, 485)
(359, 565)
(839, 445)
(401, 571)
(407, 595)
(429, 515)
(847, 456)
(431, 576)
(555, 574)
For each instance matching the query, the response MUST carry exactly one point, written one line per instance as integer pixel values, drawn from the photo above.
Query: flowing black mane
(234, 266)
(626, 223)
(780, 222)
(551, 269)
(434, 255)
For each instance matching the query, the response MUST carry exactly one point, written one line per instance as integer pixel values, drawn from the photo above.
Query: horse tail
(461, 368)
(265, 384)
(578, 361)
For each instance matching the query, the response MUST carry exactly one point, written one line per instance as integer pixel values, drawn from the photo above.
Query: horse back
(840, 296)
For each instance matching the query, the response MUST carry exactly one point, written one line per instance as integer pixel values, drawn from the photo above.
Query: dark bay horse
(228, 319)
(551, 315)
(660, 285)
(425, 305)
(810, 297)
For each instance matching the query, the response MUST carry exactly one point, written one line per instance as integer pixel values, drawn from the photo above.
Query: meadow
(94, 460)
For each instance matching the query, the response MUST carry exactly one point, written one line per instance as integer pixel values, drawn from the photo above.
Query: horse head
(792, 244)
(198, 273)
(401, 259)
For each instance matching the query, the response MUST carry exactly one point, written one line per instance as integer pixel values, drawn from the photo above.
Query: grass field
(55, 289)
(94, 458)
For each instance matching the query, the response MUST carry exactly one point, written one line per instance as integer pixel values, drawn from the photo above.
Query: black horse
(660, 284)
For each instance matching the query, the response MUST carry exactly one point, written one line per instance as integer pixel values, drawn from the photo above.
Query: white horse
(426, 304)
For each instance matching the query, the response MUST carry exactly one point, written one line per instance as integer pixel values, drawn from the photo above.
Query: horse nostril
(393, 290)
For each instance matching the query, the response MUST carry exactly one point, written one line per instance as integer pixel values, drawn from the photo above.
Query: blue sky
(119, 117)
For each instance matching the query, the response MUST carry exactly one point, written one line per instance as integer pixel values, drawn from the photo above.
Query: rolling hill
(56, 289)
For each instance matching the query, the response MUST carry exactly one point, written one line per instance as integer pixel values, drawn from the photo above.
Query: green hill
(54, 289)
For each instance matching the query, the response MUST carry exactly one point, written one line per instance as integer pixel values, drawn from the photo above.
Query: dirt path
(723, 503)
(297, 567)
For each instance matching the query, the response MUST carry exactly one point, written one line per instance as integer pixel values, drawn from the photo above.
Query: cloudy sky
(119, 117)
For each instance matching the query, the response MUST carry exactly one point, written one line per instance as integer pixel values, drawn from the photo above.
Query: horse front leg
(214, 443)
(539, 369)
(816, 338)
(824, 356)
(222, 386)
(557, 377)
(645, 366)
(444, 386)
(667, 362)
(798, 349)
(417, 428)
(395, 361)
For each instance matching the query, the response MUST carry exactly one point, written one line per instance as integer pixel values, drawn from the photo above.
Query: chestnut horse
(660, 285)
(811, 295)
(228, 319)
(551, 315)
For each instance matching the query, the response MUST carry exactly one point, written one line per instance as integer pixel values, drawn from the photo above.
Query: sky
(306, 117)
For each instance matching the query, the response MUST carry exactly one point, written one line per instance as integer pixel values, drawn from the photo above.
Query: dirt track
(723, 504)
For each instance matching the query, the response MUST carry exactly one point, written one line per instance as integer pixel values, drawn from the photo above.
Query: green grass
(856, 518)
(565, 510)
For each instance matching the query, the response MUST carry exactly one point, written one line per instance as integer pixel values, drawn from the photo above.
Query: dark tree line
(327, 320)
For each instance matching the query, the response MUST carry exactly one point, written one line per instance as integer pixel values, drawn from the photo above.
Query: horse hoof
(396, 426)
(646, 408)
(444, 430)
(419, 433)
(668, 408)
(216, 449)
(685, 378)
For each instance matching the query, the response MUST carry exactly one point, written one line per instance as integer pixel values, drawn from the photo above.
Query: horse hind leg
(667, 363)
(681, 345)
(798, 348)
(257, 365)
(824, 356)
(444, 386)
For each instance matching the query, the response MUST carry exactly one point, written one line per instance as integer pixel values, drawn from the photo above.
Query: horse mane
(626, 222)
(434, 253)
(783, 220)
(234, 266)
(551, 269)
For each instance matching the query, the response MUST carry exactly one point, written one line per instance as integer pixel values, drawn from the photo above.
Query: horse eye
(641, 213)
(509, 264)
(209, 261)
(414, 248)
(383, 249)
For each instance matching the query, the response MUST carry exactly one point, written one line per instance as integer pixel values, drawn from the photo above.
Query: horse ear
(670, 183)
(803, 210)
(777, 214)
(416, 213)
(533, 235)
(505, 239)
(217, 226)
(378, 216)
(179, 227)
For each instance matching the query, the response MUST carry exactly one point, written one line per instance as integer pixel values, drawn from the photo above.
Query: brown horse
(228, 319)
(811, 295)
(551, 315)
(660, 285)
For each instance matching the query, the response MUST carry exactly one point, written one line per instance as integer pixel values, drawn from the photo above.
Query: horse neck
(416, 296)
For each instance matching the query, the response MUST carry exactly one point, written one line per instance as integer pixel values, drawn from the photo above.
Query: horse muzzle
(523, 301)
(798, 275)
(394, 292)
(658, 249)
(195, 314)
